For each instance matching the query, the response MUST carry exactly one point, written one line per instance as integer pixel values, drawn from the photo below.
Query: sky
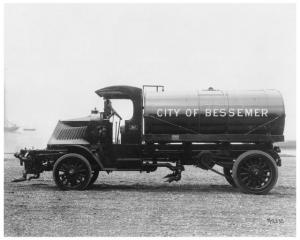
(57, 55)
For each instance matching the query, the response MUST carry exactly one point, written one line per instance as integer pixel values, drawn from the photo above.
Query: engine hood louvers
(65, 134)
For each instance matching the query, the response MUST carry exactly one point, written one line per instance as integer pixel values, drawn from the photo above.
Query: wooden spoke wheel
(72, 172)
(228, 176)
(255, 172)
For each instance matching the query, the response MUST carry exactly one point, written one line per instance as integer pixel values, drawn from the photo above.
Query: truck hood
(71, 131)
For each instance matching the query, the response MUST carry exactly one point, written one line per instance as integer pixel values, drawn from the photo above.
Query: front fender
(86, 152)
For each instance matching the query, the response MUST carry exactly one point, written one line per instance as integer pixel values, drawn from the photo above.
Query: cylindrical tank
(214, 112)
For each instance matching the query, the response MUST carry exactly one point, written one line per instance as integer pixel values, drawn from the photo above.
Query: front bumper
(36, 161)
(30, 165)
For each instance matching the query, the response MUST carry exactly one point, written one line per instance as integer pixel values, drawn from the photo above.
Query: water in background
(290, 152)
(14, 141)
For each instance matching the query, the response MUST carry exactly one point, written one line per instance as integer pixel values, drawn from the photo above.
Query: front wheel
(255, 172)
(72, 172)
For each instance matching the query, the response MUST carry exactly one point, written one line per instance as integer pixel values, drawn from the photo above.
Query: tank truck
(232, 133)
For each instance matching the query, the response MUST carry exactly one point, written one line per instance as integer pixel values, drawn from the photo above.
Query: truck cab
(132, 130)
(121, 146)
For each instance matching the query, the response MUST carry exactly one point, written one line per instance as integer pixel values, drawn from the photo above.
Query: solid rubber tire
(237, 164)
(94, 177)
(63, 158)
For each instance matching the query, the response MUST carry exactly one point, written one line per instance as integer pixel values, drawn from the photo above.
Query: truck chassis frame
(149, 157)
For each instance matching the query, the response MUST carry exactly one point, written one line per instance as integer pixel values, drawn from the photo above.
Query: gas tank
(214, 112)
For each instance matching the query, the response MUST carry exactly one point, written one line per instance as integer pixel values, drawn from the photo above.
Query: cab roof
(119, 92)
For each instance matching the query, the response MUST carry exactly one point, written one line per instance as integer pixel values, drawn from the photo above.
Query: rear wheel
(255, 172)
(228, 176)
(72, 172)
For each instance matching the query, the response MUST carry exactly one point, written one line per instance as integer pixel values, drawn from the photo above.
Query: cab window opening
(118, 111)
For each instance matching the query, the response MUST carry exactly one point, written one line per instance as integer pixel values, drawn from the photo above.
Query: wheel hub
(255, 171)
(72, 171)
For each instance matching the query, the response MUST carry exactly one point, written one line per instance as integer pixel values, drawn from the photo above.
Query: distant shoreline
(289, 144)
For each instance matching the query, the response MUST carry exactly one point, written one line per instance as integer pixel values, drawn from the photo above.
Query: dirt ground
(134, 204)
